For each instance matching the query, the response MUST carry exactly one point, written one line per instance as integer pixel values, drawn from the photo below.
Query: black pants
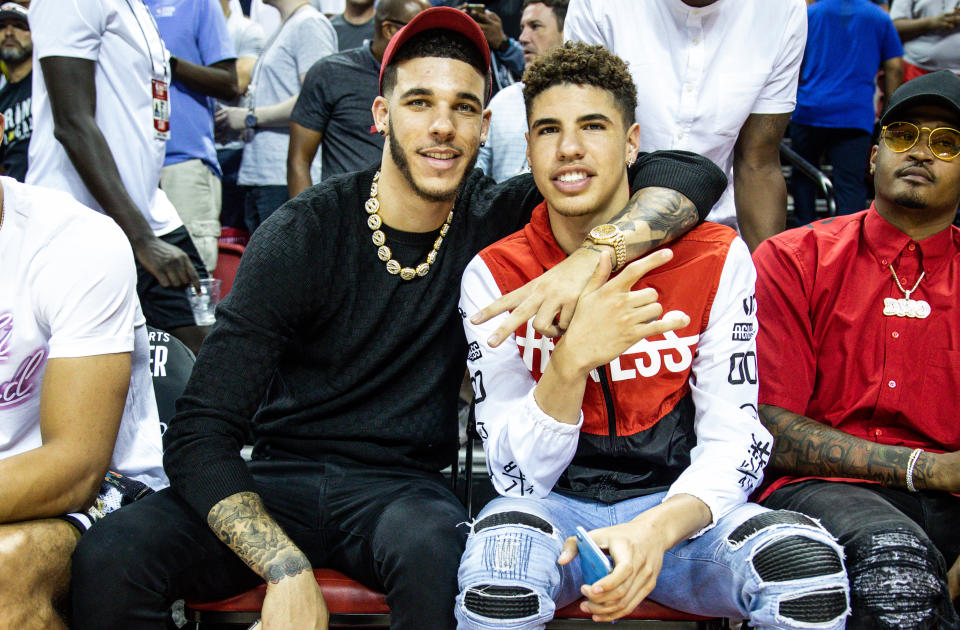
(391, 529)
(848, 150)
(898, 546)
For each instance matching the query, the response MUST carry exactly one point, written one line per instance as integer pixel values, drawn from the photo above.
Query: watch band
(608, 234)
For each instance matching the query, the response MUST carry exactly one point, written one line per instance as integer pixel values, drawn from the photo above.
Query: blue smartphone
(594, 564)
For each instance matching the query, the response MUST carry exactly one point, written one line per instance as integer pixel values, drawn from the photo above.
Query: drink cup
(203, 300)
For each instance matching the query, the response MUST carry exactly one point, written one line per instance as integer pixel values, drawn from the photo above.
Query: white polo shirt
(123, 40)
(69, 290)
(700, 72)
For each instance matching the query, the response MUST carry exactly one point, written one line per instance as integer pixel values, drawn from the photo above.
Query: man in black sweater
(340, 344)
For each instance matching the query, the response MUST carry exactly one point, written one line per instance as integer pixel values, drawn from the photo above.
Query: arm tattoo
(652, 217)
(806, 447)
(241, 521)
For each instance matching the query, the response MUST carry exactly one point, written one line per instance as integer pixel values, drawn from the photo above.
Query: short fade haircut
(559, 8)
(576, 63)
(437, 42)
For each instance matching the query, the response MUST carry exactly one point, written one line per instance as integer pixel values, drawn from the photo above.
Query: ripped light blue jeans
(775, 569)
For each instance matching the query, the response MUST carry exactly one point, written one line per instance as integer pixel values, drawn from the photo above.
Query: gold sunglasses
(944, 142)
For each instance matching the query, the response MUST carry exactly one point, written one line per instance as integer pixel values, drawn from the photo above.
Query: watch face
(250, 120)
(603, 231)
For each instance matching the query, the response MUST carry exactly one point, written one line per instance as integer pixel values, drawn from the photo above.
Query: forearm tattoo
(241, 521)
(803, 446)
(652, 217)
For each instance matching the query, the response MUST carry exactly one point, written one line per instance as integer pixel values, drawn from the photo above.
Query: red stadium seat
(228, 259)
(353, 605)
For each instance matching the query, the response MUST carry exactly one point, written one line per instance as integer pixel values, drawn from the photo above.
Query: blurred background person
(334, 108)
(355, 25)
(16, 51)
(248, 41)
(505, 152)
(203, 65)
(304, 37)
(930, 32)
(835, 112)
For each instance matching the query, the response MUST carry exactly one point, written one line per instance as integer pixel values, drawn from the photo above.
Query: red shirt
(825, 348)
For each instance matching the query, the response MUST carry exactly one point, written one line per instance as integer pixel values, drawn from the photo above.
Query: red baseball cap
(447, 18)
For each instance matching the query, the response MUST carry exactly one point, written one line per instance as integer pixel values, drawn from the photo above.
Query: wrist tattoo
(666, 214)
(242, 522)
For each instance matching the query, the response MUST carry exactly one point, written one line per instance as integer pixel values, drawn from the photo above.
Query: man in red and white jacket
(643, 430)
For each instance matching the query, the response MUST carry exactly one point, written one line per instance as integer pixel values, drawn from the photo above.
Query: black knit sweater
(328, 354)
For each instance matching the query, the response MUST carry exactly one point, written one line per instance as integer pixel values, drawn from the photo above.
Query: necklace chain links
(375, 222)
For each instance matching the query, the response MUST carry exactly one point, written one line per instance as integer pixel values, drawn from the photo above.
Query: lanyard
(146, 40)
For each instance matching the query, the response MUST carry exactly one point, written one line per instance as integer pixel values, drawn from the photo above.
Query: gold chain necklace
(906, 307)
(374, 222)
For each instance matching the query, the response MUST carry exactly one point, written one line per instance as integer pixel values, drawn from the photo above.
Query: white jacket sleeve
(527, 450)
(732, 447)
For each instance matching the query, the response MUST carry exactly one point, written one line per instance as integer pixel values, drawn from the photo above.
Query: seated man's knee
(34, 569)
(509, 572)
(801, 567)
(897, 580)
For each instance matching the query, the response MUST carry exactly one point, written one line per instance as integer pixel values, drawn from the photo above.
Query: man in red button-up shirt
(859, 363)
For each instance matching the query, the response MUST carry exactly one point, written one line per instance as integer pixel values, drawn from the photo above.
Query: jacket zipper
(608, 399)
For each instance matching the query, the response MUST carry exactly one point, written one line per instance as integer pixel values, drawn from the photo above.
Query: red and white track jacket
(675, 412)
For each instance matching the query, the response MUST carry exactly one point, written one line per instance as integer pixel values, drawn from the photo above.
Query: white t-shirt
(69, 290)
(937, 50)
(123, 40)
(305, 38)
(700, 72)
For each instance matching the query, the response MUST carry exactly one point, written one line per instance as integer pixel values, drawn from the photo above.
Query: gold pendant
(918, 309)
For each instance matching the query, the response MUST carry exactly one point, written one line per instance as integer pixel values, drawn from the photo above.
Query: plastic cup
(203, 301)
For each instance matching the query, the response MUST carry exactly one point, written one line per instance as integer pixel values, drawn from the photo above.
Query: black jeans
(392, 529)
(898, 546)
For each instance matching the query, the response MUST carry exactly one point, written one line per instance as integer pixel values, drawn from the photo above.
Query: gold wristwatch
(608, 234)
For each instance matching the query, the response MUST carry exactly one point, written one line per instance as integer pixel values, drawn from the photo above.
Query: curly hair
(576, 63)
(437, 42)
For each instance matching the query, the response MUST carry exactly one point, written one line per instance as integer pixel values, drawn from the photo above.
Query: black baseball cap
(13, 11)
(937, 88)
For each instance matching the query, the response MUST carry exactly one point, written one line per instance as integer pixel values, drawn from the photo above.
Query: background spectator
(716, 78)
(16, 51)
(334, 104)
(101, 121)
(248, 40)
(507, 60)
(930, 35)
(835, 110)
(304, 37)
(505, 152)
(204, 66)
(355, 25)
